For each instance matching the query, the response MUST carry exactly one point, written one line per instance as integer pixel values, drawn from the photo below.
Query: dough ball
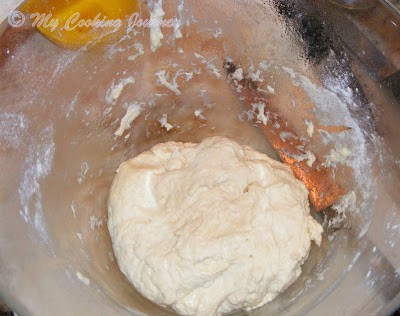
(209, 228)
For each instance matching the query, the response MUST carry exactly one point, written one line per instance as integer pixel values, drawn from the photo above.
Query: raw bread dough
(209, 228)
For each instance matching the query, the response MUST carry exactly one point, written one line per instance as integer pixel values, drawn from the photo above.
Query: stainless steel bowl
(59, 153)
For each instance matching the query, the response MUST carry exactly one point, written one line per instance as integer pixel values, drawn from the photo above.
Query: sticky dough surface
(209, 228)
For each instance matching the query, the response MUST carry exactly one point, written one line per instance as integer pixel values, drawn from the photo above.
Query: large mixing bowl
(59, 111)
